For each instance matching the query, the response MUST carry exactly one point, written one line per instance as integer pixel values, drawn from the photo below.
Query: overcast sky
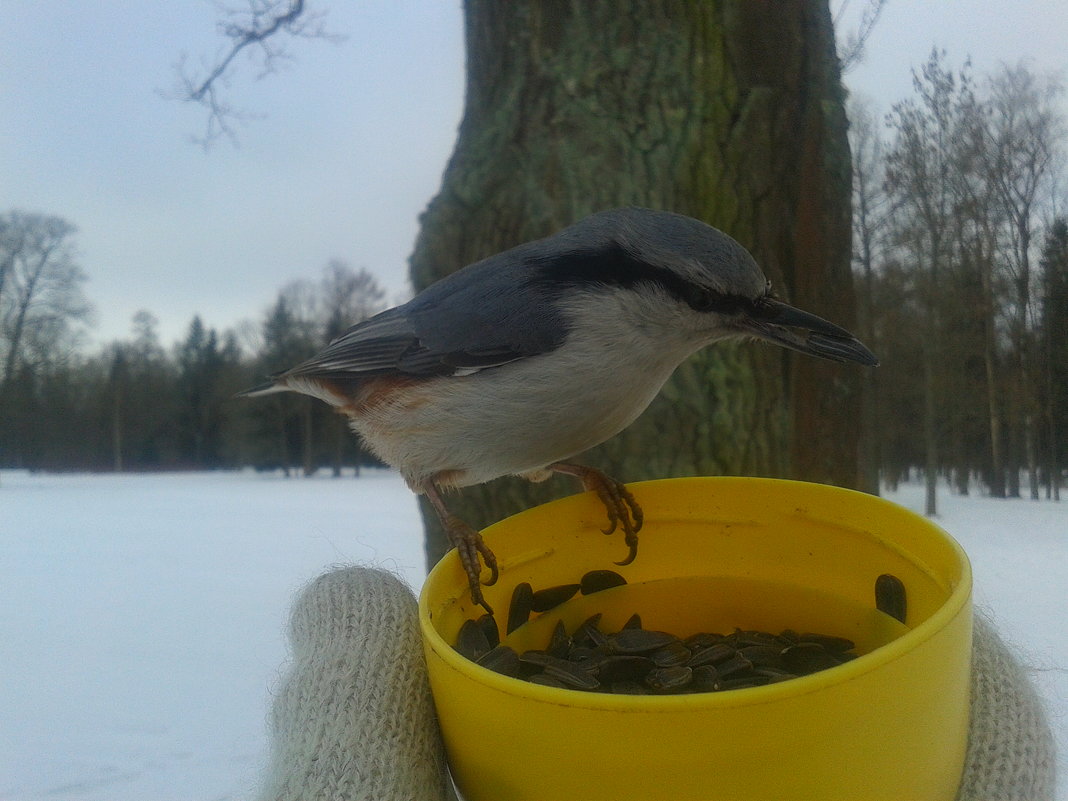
(348, 148)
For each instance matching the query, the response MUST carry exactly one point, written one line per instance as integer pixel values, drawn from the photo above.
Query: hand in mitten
(1010, 753)
(353, 719)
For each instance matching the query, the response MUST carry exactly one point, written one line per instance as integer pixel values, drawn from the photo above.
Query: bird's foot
(623, 510)
(470, 546)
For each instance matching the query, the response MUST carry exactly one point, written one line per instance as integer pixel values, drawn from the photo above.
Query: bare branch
(261, 29)
(853, 44)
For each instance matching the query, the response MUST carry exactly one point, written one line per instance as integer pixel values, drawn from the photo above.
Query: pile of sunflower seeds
(639, 661)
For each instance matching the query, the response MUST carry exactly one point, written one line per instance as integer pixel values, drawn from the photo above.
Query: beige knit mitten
(353, 719)
(1010, 745)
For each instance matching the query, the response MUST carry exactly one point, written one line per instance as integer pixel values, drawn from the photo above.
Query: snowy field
(142, 616)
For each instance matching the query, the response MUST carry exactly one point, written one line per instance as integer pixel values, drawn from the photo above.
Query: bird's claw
(632, 544)
(469, 547)
(623, 510)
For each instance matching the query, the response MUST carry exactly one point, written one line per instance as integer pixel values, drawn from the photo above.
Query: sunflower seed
(711, 655)
(572, 675)
(597, 580)
(520, 607)
(471, 641)
(488, 624)
(639, 641)
(672, 654)
(501, 659)
(890, 596)
(669, 678)
(551, 597)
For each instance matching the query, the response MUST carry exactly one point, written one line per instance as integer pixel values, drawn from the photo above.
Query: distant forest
(960, 271)
(137, 405)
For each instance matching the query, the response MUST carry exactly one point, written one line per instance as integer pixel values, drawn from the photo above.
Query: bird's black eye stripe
(704, 300)
(615, 266)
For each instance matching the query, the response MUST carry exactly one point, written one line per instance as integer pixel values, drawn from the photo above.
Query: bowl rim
(957, 602)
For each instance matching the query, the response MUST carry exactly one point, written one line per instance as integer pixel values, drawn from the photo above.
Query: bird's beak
(777, 322)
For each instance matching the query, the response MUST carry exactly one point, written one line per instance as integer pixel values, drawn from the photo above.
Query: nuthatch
(515, 364)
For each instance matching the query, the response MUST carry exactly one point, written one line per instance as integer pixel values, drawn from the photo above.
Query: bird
(517, 363)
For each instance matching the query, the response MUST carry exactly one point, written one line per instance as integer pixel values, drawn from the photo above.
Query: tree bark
(730, 112)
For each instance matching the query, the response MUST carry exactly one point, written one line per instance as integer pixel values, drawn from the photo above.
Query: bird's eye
(707, 300)
(701, 299)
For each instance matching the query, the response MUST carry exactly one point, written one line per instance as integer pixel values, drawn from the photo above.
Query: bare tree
(306, 315)
(1054, 344)
(852, 43)
(978, 231)
(262, 30)
(347, 297)
(136, 386)
(870, 217)
(41, 298)
(302, 303)
(1023, 129)
(919, 166)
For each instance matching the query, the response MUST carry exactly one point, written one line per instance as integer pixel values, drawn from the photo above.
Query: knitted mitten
(353, 719)
(1010, 753)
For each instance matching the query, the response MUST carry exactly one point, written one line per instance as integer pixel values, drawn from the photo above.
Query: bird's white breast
(522, 416)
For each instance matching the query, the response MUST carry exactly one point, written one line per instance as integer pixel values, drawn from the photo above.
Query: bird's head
(701, 279)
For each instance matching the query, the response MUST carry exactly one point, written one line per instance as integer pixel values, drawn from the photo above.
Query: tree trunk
(1032, 455)
(870, 439)
(116, 431)
(1012, 486)
(997, 461)
(22, 304)
(341, 433)
(1053, 471)
(282, 439)
(308, 438)
(730, 112)
(930, 427)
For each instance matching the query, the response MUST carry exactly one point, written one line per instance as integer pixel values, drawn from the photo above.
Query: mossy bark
(730, 112)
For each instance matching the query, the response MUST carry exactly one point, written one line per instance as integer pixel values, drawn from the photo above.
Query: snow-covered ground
(142, 616)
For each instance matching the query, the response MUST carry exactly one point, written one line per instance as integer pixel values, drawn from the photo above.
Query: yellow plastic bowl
(715, 554)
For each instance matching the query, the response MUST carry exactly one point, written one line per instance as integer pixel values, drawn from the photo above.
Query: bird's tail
(266, 388)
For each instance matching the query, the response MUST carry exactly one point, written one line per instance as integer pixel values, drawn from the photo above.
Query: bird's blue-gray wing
(482, 316)
(372, 347)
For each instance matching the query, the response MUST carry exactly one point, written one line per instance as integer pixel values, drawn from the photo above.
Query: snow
(142, 616)
(142, 620)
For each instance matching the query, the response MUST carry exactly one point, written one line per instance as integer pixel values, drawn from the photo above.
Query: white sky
(349, 151)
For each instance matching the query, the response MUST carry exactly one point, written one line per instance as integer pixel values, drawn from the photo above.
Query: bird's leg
(623, 510)
(468, 543)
